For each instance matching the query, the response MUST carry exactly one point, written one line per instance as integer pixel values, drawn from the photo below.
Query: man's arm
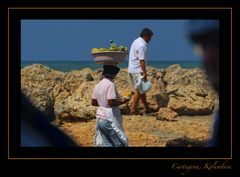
(142, 64)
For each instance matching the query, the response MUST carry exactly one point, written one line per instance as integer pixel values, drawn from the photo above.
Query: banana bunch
(113, 47)
(128, 95)
(122, 48)
(97, 50)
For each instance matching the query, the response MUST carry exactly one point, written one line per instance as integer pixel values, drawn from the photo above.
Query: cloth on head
(110, 70)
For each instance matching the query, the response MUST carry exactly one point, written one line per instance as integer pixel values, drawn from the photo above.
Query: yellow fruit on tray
(95, 50)
(128, 95)
(103, 49)
(113, 47)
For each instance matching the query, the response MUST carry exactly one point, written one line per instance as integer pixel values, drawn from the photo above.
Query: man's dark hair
(146, 32)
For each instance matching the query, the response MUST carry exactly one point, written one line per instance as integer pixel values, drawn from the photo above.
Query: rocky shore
(177, 94)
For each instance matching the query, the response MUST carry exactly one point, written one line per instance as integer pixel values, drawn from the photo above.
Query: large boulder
(189, 91)
(157, 96)
(68, 95)
(77, 105)
(191, 100)
(47, 88)
(37, 83)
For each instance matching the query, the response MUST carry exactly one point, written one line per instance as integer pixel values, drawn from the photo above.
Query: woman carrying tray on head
(109, 130)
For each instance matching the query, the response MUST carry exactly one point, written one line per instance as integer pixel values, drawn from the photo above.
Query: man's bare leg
(136, 98)
(145, 103)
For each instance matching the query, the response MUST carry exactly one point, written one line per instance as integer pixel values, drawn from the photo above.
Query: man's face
(148, 38)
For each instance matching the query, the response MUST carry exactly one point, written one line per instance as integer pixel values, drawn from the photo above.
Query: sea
(66, 66)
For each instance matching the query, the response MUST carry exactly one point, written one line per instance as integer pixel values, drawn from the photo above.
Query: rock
(85, 70)
(68, 95)
(78, 105)
(97, 74)
(185, 142)
(186, 101)
(89, 77)
(125, 109)
(37, 83)
(188, 91)
(41, 100)
(166, 114)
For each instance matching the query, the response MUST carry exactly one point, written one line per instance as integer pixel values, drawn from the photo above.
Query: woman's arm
(94, 102)
(114, 102)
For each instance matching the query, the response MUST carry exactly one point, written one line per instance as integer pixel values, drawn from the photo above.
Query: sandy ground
(146, 130)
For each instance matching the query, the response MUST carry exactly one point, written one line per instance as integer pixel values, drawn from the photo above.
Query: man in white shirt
(137, 67)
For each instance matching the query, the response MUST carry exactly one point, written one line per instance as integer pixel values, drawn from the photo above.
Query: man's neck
(144, 39)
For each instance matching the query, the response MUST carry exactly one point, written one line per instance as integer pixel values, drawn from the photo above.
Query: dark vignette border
(224, 151)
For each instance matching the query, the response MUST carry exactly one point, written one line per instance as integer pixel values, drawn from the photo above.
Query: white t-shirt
(138, 52)
(105, 90)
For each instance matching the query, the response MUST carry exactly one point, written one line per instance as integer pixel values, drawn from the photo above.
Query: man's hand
(143, 67)
(145, 76)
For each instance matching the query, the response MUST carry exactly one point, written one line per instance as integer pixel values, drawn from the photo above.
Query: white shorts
(133, 77)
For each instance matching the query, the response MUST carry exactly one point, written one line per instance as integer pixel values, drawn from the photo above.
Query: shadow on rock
(185, 142)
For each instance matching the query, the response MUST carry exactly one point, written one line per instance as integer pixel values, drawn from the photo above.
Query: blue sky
(72, 40)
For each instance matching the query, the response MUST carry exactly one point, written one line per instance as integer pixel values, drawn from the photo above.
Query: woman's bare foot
(135, 113)
(149, 110)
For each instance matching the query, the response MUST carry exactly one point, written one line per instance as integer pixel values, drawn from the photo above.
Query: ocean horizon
(66, 66)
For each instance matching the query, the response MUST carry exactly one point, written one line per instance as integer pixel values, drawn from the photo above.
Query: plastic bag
(143, 86)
